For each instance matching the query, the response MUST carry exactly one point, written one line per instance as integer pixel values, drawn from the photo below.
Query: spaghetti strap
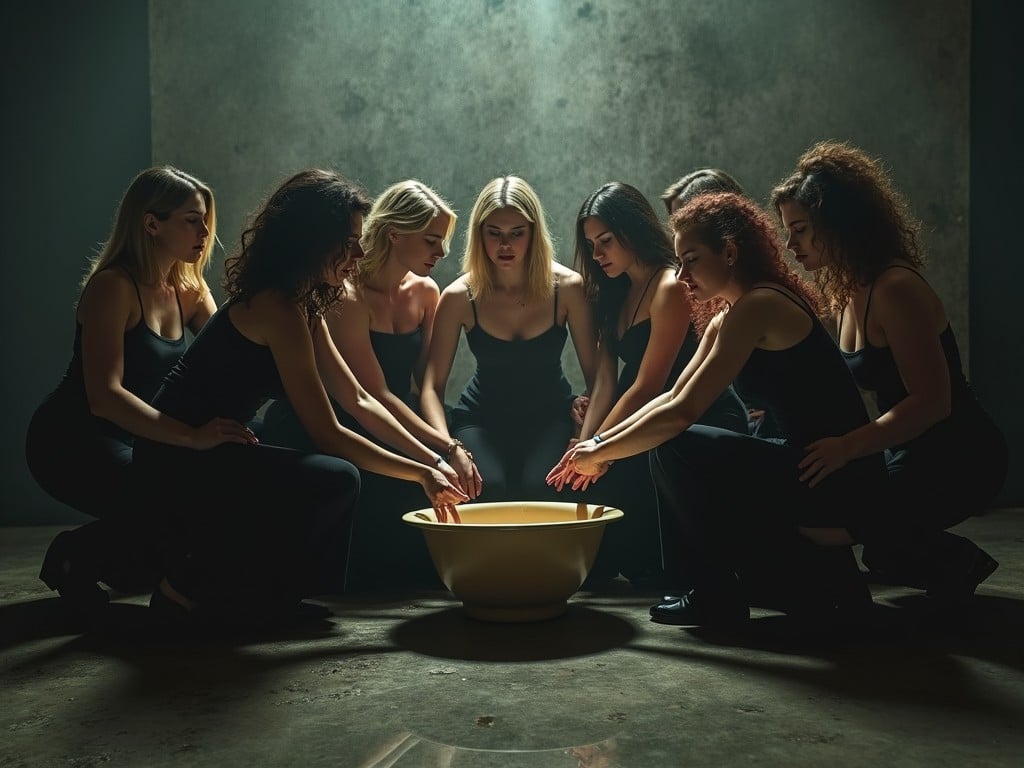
(472, 304)
(181, 314)
(640, 301)
(798, 300)
(871, 290)
(554, 320)
(138, 295)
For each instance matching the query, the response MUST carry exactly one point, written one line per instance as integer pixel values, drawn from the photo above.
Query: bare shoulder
(193, 296)
(459, 287)
(108, 291)
(353, 297)
(567, 278)
(901, 285)
(668, 287)
(424, 286)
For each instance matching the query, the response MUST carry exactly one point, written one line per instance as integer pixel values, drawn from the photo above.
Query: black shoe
(690, 610)
(72, 580)
(957, 584)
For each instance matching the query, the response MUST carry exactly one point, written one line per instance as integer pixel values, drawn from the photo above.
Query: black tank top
(221, 374)
(148, 356)
(874, 368)
(397, 354)
(518, 378)
(807, 387)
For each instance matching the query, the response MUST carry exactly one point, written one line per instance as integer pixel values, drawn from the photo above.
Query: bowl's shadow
(452, 634)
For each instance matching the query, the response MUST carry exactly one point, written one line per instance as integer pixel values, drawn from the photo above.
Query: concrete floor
(409, 680)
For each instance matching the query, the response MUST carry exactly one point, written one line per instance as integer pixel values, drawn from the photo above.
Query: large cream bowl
(516, 560)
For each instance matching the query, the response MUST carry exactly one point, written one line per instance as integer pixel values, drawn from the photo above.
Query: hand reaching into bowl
(442, 494)
(577, 468)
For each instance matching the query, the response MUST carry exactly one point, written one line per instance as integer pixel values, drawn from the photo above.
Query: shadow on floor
(451, 634)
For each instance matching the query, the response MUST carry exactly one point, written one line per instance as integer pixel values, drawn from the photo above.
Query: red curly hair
(717, 217)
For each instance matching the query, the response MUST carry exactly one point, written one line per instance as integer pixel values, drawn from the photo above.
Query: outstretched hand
(443, 495)
(469, 476)
(577, 468)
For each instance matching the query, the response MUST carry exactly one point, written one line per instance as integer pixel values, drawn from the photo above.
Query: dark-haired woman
(643, 319)
(259, 527)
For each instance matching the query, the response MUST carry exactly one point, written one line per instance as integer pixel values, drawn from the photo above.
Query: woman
(946, 458)
(762, 330)
(141, 293)
(382, 327)
(680, 192)
(516, 305)
(271, 524)
(642, 315)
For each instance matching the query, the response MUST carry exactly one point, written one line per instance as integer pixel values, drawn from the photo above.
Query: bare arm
(718, 362)
(108, 308)
(670, 320)
(580, 320)
(908, 312)
(350, 331)
(602, 396)
(279, 323)
(448, 324)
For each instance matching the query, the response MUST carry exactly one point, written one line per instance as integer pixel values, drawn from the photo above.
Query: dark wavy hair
(718, 217)
(630, 217)
(697, 183)
(859, 218)
(287, 246)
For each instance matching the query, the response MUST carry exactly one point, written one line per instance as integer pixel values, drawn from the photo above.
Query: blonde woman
(517, 305)
(140, 294)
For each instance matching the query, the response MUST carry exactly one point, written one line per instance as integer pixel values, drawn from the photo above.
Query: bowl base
(523, 613)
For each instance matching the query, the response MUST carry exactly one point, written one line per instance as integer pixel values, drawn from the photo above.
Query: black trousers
(77, 464)
(730, 505)
(250, 522)
(514, 457)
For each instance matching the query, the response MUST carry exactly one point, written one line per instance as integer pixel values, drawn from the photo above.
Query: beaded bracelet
(456, 443)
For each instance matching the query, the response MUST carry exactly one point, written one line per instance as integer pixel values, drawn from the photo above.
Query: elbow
(102, 406)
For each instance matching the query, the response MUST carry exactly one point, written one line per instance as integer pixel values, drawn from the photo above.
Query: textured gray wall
(566, 94)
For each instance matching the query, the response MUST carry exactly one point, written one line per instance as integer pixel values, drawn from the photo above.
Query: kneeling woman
(761, 330)
(261, 526)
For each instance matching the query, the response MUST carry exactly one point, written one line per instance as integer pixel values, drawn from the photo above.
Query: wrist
(455, 445)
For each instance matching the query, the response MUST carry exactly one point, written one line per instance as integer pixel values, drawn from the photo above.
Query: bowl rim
(421, 518)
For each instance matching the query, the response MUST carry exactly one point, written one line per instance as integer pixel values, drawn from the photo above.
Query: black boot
(956, 566)
(69, 568)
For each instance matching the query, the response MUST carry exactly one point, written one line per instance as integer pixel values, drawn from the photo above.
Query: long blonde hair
(510, 192)
(160, 191)
(406, 207)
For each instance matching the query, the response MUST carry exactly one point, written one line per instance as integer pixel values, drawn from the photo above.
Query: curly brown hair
(290, 240)
(717, 217)
(859, 218)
